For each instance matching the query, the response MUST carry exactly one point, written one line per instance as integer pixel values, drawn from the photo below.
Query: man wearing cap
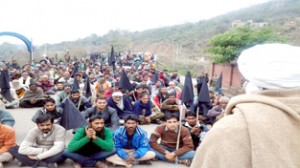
(173, 88)
(120, 103)
(25, 79)
(81, 102)
(261, 128)
(33, 97)
(60, 96)
(217, 112)
(131, 143)
(18, 88)
(6, 118)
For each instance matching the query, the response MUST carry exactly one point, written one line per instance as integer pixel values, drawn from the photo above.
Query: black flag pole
(187, 96)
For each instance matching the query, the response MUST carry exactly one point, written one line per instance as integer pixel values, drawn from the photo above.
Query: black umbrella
(124, 82)
(204, 99)
(218, 84)
(87, 88)
(187, 95)
(112, 58)
(71, 117)
(4, 85)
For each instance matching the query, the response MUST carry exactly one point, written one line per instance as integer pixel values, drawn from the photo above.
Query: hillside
(184, 44)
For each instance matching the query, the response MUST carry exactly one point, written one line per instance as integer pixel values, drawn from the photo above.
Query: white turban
(271, 66)
(117, 94)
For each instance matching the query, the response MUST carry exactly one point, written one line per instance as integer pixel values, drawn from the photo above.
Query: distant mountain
(185, 44)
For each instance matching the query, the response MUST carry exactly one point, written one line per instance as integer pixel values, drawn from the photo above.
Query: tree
(227, 47)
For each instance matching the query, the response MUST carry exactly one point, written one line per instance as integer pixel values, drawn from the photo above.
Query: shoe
(52, 165)
(128, 166)
(76, 165)
(145, 162)
(21, 164)
(154, 159)
(1, 165)
(157, 121)
(100, 164)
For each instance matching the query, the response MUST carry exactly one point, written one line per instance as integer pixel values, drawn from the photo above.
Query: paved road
(24, 124)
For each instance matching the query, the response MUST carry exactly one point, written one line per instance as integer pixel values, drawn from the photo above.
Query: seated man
(7, 140)
(132, 143)
(48, 109)
(6, 118)
(172, 105)
(18, 88)
(81, 102)
(45, 83)
(57, 88)
(218, 111)
(33, 97)
(91, 144)
(43, 145)
(161, 96)
(198, 130)
(168, 133)
(147, 110)
(113, 88)
(60, 96)
(110, 115)
(120, 103)
(135, 94)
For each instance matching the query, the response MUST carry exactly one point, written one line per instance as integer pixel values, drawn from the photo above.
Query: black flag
(218, 84)
(204, 99)
(4, 85)
(75, 71)
(124, 82)
(112, 58)
(75, 84)
(204, 96)
(71, 117)
(187, 95)
(87, 89)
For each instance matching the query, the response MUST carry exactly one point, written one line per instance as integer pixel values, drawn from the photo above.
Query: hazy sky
(53, 21)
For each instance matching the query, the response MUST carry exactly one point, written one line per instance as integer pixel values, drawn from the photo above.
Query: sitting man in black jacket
(109, 114)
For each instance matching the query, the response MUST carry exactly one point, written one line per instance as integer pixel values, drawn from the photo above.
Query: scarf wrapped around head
(139, 107)
(271, 66)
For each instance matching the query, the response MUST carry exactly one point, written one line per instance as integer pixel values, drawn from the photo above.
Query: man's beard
(46, 131)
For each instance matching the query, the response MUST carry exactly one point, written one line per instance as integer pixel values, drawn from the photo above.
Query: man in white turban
(260, 129)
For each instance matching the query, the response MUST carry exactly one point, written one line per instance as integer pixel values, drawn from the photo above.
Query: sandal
(186, 162)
